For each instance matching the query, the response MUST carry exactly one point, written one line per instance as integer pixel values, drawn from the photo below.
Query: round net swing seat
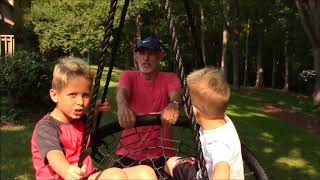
(106, 139)
(183, 143)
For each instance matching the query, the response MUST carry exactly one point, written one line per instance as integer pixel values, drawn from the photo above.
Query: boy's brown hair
(209, 91)
(69, 68)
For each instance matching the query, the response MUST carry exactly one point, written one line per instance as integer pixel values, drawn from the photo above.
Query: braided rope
(116, 43)
(105, 46)
(186, 97)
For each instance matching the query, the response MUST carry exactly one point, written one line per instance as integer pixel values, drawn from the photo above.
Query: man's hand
(102, 107)
(126, 117)
(170, 114)
(74, 172)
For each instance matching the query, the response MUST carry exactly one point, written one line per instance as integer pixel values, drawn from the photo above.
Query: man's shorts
(185, 169)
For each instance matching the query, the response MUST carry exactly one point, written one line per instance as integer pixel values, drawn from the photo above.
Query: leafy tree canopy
(73, 26)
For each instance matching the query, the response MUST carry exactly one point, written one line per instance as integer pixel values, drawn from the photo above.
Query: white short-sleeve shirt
(222, 144)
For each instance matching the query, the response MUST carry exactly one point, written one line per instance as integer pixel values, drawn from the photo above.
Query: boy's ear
(53, 95)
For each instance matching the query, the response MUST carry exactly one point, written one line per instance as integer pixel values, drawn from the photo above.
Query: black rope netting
(157, 162)
(106, 153)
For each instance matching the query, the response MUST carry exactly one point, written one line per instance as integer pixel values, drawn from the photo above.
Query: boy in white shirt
(220, 143)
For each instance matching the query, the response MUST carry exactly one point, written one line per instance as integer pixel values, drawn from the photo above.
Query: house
(7, 45)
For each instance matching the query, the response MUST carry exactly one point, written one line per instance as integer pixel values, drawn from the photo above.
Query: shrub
(307, 79)
(26, 80)
(308, 75)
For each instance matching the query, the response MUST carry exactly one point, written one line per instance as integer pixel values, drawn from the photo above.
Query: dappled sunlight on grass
(247, 114)
(13, 128)
(296, 139)
(267, 137)
(24, 177)
(291, 162)
(111, 84)
(267, 150)
(244, 107)
(294, 160)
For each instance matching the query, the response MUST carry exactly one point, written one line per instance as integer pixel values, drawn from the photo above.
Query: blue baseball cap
(150, 43)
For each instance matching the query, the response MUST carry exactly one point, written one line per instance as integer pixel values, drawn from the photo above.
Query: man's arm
(175, 97)
(221, 171)
(126, 117)
(170, 114)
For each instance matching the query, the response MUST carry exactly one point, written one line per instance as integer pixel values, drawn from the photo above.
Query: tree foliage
(71, 26)
(26, 77)
(76, 26)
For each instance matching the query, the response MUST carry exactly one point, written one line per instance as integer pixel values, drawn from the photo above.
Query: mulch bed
(309, 123)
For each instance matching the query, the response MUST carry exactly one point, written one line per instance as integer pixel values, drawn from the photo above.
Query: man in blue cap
(145, 91)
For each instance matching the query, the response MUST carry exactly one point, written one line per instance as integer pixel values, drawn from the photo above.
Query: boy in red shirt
(57, 138)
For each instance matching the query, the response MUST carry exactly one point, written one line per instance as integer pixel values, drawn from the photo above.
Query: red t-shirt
(51, 134)
(147, 96)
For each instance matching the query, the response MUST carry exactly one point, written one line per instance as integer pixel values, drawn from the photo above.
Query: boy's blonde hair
(70, 68)
(209, 91)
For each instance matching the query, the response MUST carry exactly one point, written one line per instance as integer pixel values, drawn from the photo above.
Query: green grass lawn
(285, 151)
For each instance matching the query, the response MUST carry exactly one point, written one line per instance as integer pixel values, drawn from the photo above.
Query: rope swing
(98, 133)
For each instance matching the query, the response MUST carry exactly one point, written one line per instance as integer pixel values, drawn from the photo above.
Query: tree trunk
(245, 78)
(138, 37)
(274, 71)
(309, 12)
(225, 36)
(235, 44)
(259, 76)
(202, 35)
(316, 91)
(194, 34)
(138, 27)
(286, 67)
(224, 57)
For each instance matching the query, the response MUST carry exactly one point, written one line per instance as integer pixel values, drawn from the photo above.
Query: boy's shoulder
(47, 121)
(224, 131)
